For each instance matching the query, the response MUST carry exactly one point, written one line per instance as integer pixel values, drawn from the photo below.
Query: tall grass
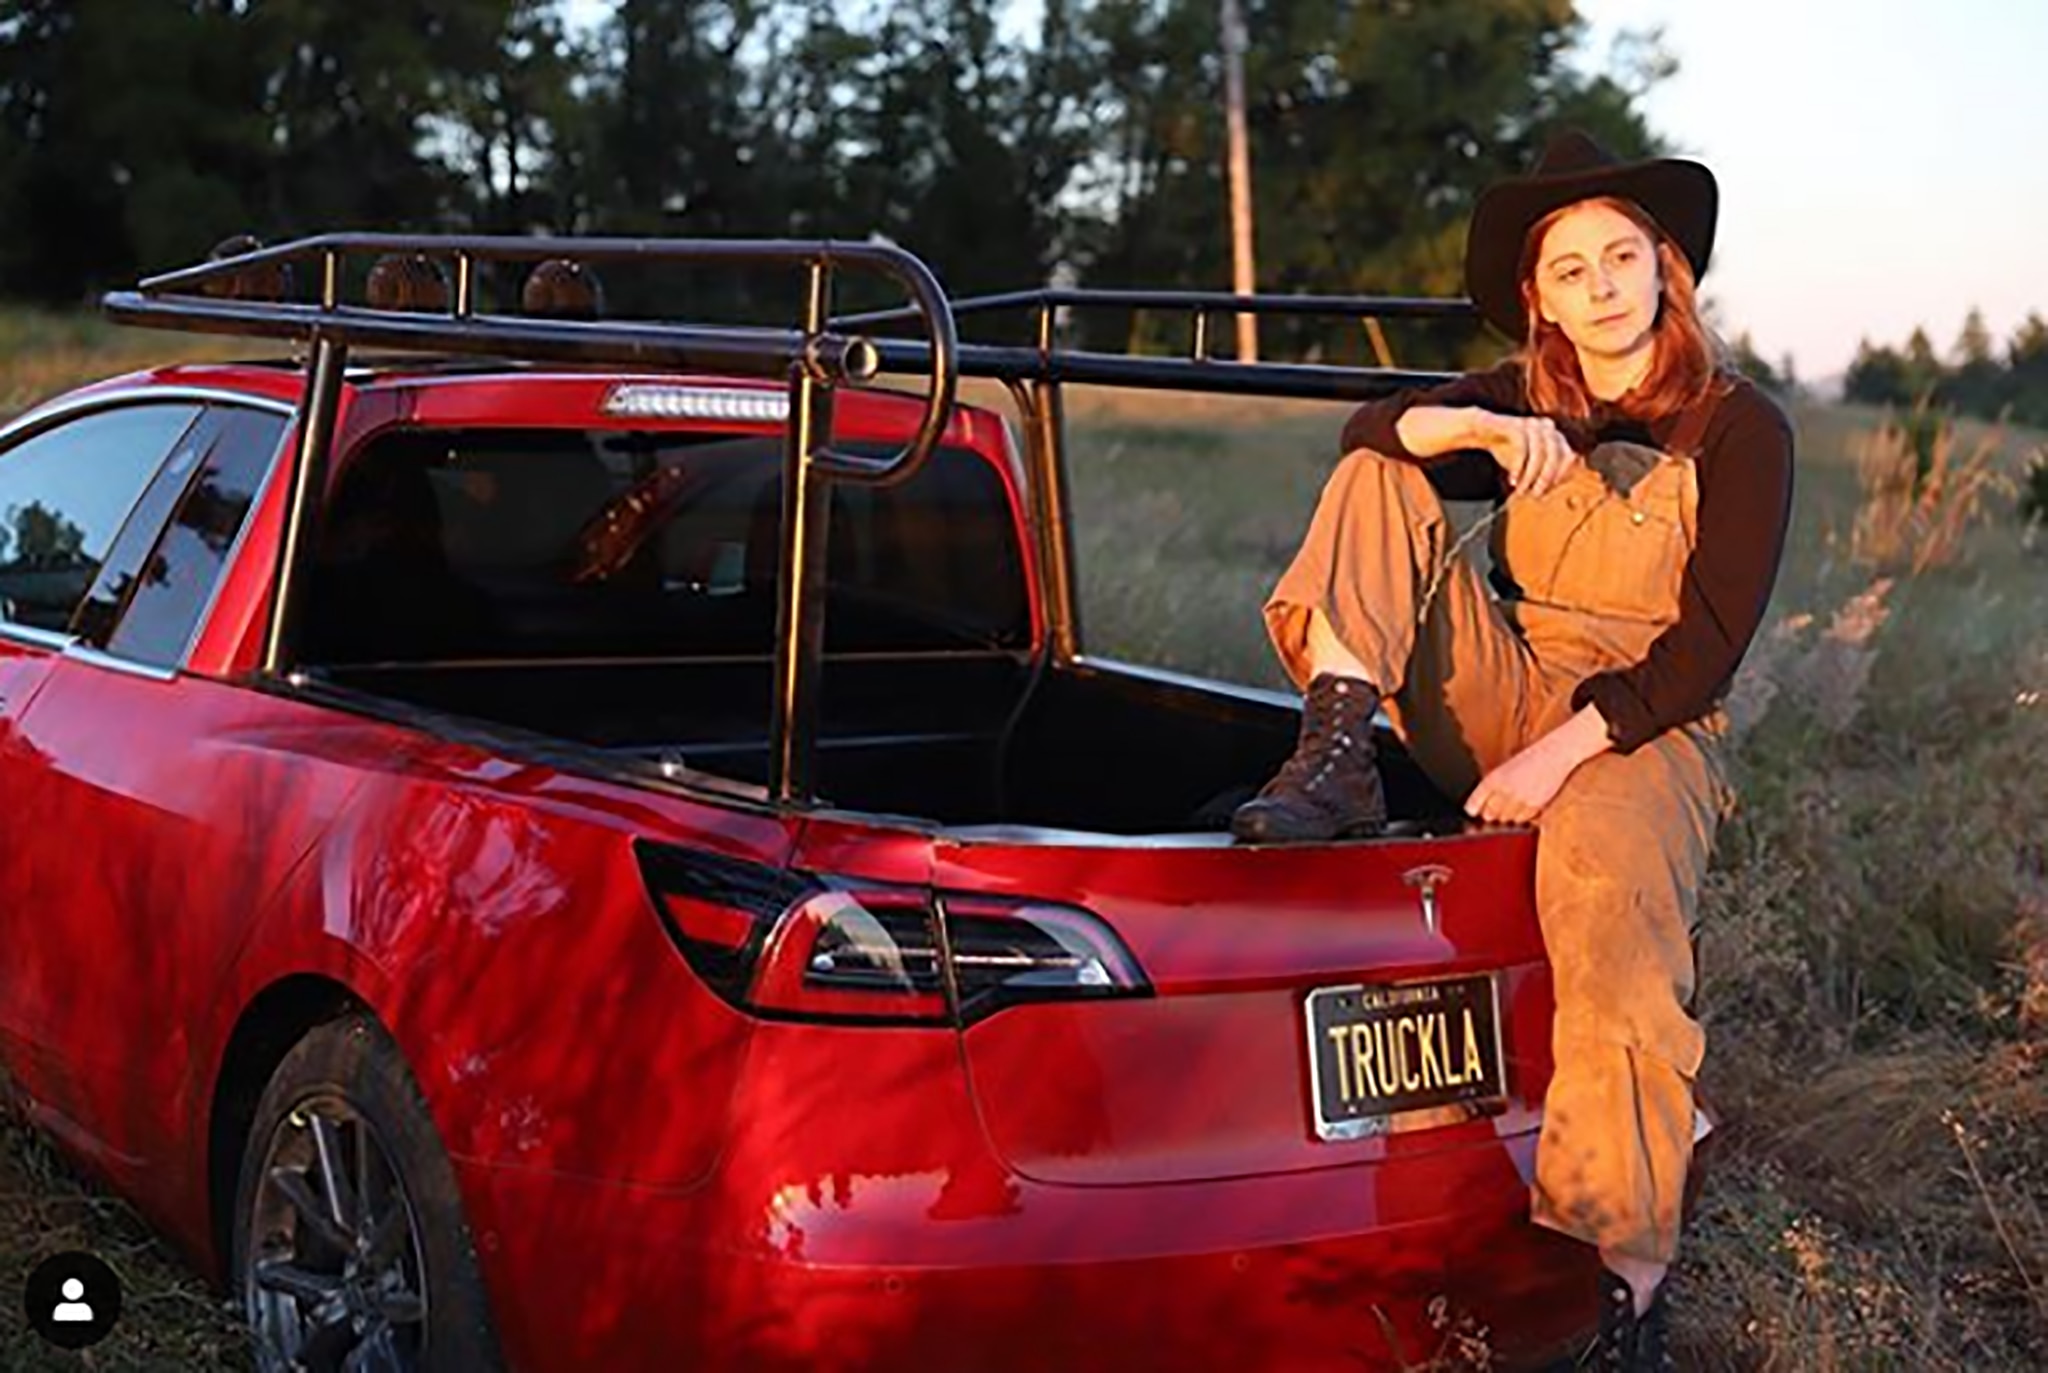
(43, 353)
(1922, 492)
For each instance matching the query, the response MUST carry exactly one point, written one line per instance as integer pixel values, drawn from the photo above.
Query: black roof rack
(1049, 360)
(816, 355)
(831, 352)
(196, 299)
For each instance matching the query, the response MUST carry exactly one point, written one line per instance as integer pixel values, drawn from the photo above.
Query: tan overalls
(1623, 847)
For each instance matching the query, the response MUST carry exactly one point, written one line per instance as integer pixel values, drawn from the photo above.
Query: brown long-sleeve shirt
(1745, 482)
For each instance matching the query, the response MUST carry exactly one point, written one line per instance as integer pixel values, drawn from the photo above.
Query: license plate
(1378, 1051)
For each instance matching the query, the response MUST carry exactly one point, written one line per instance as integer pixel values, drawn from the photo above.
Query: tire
(327, 1283)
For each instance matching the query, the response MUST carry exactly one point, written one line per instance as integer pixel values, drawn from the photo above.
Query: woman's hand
(1531, 450)
(1516, 792)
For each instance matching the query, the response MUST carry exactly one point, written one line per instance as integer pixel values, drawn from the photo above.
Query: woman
(1646, 491)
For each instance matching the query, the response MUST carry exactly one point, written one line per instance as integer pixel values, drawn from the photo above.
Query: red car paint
(655, 1178)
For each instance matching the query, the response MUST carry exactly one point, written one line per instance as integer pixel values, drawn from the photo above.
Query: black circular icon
(73, 1300)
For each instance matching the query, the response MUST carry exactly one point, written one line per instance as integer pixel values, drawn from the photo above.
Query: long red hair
(1686, 361)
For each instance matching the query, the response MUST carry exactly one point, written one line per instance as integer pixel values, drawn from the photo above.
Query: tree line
(1977, 377)
(133, 137)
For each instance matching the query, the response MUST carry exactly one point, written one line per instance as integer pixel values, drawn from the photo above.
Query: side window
(123, 566)
(177, 580)
(64, 495)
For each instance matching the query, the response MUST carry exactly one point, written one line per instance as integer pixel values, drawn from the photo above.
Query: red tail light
(780, 944)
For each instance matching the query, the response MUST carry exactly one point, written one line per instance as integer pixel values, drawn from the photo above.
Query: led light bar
(660, 401)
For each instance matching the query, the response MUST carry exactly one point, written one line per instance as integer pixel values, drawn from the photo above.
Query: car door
(70, 480)
(127, 778)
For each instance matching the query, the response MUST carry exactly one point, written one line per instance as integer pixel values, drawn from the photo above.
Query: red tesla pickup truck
(502, 879)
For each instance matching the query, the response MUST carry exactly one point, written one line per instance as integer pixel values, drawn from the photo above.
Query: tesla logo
(1426, 880)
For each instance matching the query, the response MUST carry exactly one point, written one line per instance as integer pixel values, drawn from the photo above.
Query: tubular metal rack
(1199, 370)
(816, 356)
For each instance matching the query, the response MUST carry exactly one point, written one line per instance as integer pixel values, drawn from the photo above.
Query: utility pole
(1243, 274)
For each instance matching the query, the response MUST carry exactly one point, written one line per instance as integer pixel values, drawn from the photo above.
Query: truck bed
(957, 739)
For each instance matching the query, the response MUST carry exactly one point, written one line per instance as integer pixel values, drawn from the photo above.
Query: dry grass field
(1875, 933)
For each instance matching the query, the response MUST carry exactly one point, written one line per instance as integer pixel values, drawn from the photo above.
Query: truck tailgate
(1212, 1075)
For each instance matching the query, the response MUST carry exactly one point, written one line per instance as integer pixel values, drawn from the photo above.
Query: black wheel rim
(333, 1281)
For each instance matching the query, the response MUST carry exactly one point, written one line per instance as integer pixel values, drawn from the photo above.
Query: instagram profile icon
(72, 1300)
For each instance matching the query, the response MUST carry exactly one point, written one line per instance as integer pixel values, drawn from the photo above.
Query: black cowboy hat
(1680, 195)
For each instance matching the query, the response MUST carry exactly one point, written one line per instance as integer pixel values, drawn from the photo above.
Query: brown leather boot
(1330, 788)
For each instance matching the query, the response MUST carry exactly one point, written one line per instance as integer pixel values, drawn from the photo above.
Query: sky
(1880, 161)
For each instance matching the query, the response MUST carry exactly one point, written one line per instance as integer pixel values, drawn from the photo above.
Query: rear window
(561, 544)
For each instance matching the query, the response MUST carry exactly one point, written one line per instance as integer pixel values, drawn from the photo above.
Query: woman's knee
(1366, 457)
(1637, 819)
(1365, 475)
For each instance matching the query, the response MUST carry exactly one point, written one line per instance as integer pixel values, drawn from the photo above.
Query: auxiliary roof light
(271, 281)
(407, 281)
(655, 400)
(564, 288)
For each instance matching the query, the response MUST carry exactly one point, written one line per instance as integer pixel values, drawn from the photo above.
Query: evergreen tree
(126, 139)
(1973, 344)
(1752, 364)
(1374, 123)
(1924, 371)
(132, 137)
(1877, 376)
(1977, 384)
(2026, 359)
